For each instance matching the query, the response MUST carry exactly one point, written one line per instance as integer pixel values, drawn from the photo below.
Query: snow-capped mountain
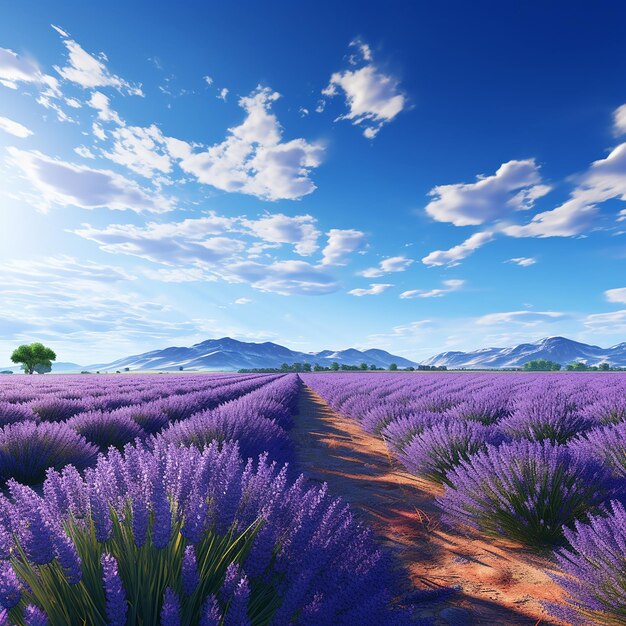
(558, 349)
(228, 354)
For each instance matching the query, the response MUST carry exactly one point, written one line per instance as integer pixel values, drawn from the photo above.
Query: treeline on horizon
(336, 367)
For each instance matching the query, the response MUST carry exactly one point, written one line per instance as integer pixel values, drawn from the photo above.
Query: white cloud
(208, 80)
(202, 249)
(14, 128)
(283, 277)
(522, 261)
(278, 228)
(84, 152)
(90, 72)
(515, 186)
(605, 180)
(141, 150)
(341, 242)
(609, 323)
(527, 318)
(253, 159)
(388, 266)
(375, 289)
(616, 295)
(373, 98)
(100, 102)
(15, 69)
(456, 254)
(448, 287)
(619, 120)
(242, 301)
(223, 94)
(67, 184)
(174, 243)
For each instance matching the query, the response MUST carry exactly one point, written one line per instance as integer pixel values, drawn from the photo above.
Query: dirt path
(499, 583)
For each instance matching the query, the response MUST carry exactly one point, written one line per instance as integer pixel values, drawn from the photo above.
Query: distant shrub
(56, 409)
(527, 491)
(609, 409)
(437, 450)
(28, 449)
(13, 412)
(149, 416)
(594, 565)
(607, 444)
(106, 429)
(254, 433)
(400, 432)
(486, 407)
(548, 414)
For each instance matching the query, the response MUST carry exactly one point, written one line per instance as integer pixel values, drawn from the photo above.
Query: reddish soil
(500, 583)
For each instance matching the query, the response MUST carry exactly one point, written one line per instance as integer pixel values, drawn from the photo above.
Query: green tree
(285, 367)
(334, 366)
(306, 367)
(542, 365)
(577, 366)
(363, 366)
(373, 367)
(34, 358)
(393, 367)
(604, 367)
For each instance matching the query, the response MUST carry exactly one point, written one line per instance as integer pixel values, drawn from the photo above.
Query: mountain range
(228, 354)
(558, 349)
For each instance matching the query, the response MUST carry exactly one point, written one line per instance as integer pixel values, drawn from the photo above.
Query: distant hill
(228, 354)
(558, 349)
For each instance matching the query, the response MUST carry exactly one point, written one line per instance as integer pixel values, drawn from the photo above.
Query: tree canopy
(34, 357)
(542, 365)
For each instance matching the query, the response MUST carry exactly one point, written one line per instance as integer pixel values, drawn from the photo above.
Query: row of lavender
(540, 459)
(171, 524)
(52, 424)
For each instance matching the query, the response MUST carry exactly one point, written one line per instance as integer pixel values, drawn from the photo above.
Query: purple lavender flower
(170, 612)
(162, 518)
(34, 616)
(211, 614)
(116, 605)
(68, 559)
(10, 593)
(237, 614)
(190, 575)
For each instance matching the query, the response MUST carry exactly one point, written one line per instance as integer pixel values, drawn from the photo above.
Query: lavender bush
(527, 491)
(184, 536)
(106, 429)
(594, 565)
(437, 450)
(607, 444)
(28, 449)
(546, 415)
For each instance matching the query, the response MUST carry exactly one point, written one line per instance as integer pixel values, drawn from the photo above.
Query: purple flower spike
(116, 604)
(10, 593)
(211, 614)
(170, 613)
(34, 616)
(190, 575)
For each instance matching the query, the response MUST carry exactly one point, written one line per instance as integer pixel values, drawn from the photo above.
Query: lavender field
(170, 499)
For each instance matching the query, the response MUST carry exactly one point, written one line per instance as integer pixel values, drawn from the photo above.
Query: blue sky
(413, 176)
